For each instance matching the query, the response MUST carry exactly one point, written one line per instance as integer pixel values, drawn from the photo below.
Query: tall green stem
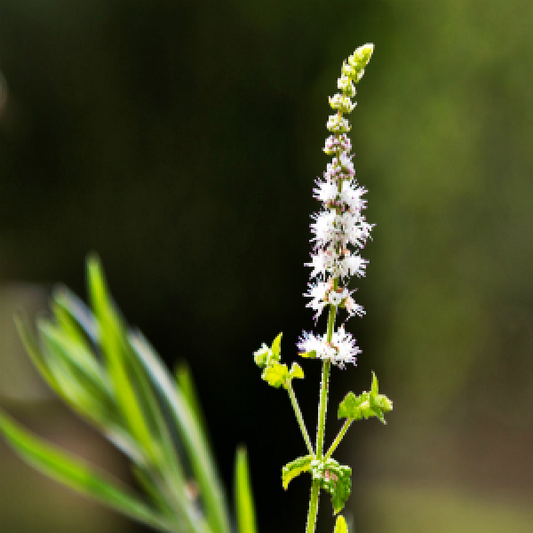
(313, 507)
(322, 409)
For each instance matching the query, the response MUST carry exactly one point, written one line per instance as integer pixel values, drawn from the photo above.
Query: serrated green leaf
(296, 371)
(78, 475)
(384, 403)
(295, 468)
(276, 375)
(350, 407)
(335, 479)
(244, 501)
(340, 525)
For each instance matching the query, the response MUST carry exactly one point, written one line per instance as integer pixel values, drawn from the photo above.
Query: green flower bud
(358, 61)
(360, 58)
(261, 356)
(342, 103)
(345, 84)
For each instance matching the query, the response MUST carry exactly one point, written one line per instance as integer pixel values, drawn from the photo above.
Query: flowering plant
(112, 377)
(340, 231)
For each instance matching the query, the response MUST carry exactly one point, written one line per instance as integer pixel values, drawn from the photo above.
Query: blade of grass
(114, 432)
(244, 501)
(112, 337)
(79, 476)
(186, 386)
(34, 351)
(81, 364)
(190, 432)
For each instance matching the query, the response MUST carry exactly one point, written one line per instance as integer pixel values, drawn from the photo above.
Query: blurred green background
(180, 140)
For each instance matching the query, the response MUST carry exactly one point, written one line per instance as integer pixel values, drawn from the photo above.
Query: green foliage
(276, 374)
(365, 405)
(112, 377)
(335, 479)
(340, 525)
(76, 474)
(244, 504)
(295, 468)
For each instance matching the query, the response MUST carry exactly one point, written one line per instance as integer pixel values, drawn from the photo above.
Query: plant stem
(322, 408)
(339, 437)
(313, 507)
(300, 419)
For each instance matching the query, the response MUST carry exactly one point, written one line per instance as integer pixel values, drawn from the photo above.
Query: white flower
(353, 307)
(326, 191)
(346, 85)
(353, 265)
(335, 143)
(346, 164)
(326, 227)
(347, 349)
(342, 102)
(351, 196)
(322, 261)
(341, 350)
(318, 294)
(338, 296)
(338, 124)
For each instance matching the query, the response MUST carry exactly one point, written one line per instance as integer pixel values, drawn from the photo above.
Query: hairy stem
(313, 507)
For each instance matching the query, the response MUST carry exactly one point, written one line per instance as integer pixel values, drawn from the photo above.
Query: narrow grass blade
(190, 432)
(244, 500)
(112, 340)
(34, 351)
(186, 385)
(79, 476)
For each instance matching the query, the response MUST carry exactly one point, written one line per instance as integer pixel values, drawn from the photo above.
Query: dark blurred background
(180, 140)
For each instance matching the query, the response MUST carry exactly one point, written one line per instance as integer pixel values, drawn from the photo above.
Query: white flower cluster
(341, 350)
(339, 229)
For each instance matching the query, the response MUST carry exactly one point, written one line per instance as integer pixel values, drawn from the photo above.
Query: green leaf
(296, 371)
(112, 341)
(65, 299)
(34, 351)
(186, 385)
(77, 361)
(308, 355)
(244, 501)
(295, 468)
(335, 479)
(365, 405)
(276, 375)
(276, 348)
(340, 525)
(78, 475)
(190, 433)
(375, 387)
(350, 407)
